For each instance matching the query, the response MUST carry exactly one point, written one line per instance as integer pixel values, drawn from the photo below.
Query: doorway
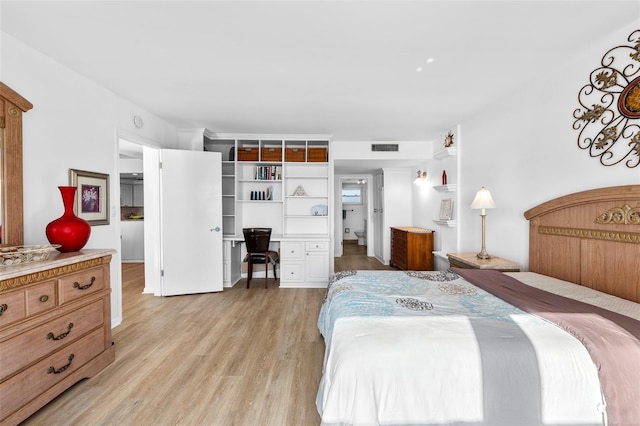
(131, 202)
(352, 225)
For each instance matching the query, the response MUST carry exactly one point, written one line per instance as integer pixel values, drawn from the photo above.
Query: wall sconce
(483, 201)
(421, 178)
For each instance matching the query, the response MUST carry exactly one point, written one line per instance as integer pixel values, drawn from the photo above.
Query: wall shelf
(446, 188)
(446, 152)
(446, 223)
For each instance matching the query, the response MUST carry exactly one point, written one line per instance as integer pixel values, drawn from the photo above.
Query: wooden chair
(257, 241)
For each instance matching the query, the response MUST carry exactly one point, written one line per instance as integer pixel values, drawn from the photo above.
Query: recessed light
(430, 60)
(419, 69)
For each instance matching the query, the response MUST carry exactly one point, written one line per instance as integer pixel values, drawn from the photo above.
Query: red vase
(70, 231)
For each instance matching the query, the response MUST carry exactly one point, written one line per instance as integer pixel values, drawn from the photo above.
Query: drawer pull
(61, 369)
(3, 308)
(50, 336)
(84, 287)
(44, 298)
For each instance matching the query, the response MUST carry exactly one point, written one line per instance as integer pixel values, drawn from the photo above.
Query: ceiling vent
(386, 147)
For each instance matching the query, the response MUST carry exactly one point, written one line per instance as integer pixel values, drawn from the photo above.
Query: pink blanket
(612, 339)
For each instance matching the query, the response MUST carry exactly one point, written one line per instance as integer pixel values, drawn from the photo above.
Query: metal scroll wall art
(609, 114)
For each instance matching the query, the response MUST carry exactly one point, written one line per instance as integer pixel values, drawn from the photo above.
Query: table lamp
(483, 201)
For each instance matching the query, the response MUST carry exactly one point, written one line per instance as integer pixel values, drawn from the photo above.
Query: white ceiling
(346, 68)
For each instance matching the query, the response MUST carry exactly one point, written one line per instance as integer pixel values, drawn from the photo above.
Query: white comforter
(432, 349)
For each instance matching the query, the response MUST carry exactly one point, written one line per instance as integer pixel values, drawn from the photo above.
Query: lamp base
(483, 254)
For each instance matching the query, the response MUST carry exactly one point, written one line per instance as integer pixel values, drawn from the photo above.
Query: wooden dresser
(412, 248)
(55, 328)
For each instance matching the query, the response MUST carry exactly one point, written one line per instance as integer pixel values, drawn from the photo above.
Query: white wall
(397, 199)
(74, 124)
(524, 150)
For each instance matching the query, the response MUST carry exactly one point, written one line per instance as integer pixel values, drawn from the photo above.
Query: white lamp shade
(483, 200)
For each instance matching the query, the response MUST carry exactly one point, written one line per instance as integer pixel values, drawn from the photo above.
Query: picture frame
(446, 209)
(92, 196)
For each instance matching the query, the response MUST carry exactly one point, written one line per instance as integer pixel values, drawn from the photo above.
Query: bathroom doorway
(352, 224)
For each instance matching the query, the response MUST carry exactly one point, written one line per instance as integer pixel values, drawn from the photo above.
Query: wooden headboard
(591, 238)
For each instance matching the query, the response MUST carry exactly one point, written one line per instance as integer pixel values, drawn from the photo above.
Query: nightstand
(471, 261)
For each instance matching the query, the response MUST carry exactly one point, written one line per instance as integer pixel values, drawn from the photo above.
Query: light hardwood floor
(355, 257)
(239, 357)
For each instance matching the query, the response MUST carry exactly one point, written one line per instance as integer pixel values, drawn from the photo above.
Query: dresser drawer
(41, 297)
(27, 347)
(30, 383)
(81, 284)
(12, 307)
(399, 238)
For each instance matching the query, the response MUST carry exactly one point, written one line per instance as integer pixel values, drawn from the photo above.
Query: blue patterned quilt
(412, 293)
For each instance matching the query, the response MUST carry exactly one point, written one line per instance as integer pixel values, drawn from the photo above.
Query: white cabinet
(230, 263)
(317, 262)
(126, 195)
(291, 262)
(304, 263)
(131, 195)
(138, 195)
(132, 243)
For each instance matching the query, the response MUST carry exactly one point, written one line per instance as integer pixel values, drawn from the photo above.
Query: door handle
(217, 229)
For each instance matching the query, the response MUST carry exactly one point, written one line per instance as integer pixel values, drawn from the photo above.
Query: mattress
(431, 348)
(578, 292)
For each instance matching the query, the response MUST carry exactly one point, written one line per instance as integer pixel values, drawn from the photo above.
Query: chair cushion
(260, 257)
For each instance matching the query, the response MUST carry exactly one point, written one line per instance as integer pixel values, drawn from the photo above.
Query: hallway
(354, 257)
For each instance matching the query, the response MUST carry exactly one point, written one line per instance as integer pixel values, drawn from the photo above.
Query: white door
(378, 217)
(191, 221)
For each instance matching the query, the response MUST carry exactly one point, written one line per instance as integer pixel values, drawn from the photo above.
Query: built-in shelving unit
(281, 183)
(447, 187)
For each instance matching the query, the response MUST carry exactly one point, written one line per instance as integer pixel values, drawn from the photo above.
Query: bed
(558, 345)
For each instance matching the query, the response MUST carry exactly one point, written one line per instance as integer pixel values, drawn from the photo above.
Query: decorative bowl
(14, 255)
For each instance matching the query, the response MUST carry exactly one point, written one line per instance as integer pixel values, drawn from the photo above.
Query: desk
(304, 260)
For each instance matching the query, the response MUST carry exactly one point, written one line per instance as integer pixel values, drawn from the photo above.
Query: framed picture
(446, 209)
(92, 196)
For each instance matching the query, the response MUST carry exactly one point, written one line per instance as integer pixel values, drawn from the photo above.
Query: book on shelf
(268, 173)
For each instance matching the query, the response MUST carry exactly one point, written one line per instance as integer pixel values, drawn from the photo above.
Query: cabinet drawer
(80, 284)
(317, 245)
(291, 272)
(293, 250)
(41, 297)
(29, 384)
(27, 347)
(12, 307)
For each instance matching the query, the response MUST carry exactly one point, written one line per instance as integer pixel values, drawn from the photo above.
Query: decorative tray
(14, 255)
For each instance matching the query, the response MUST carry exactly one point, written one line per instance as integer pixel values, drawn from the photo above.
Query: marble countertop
(56, 259)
